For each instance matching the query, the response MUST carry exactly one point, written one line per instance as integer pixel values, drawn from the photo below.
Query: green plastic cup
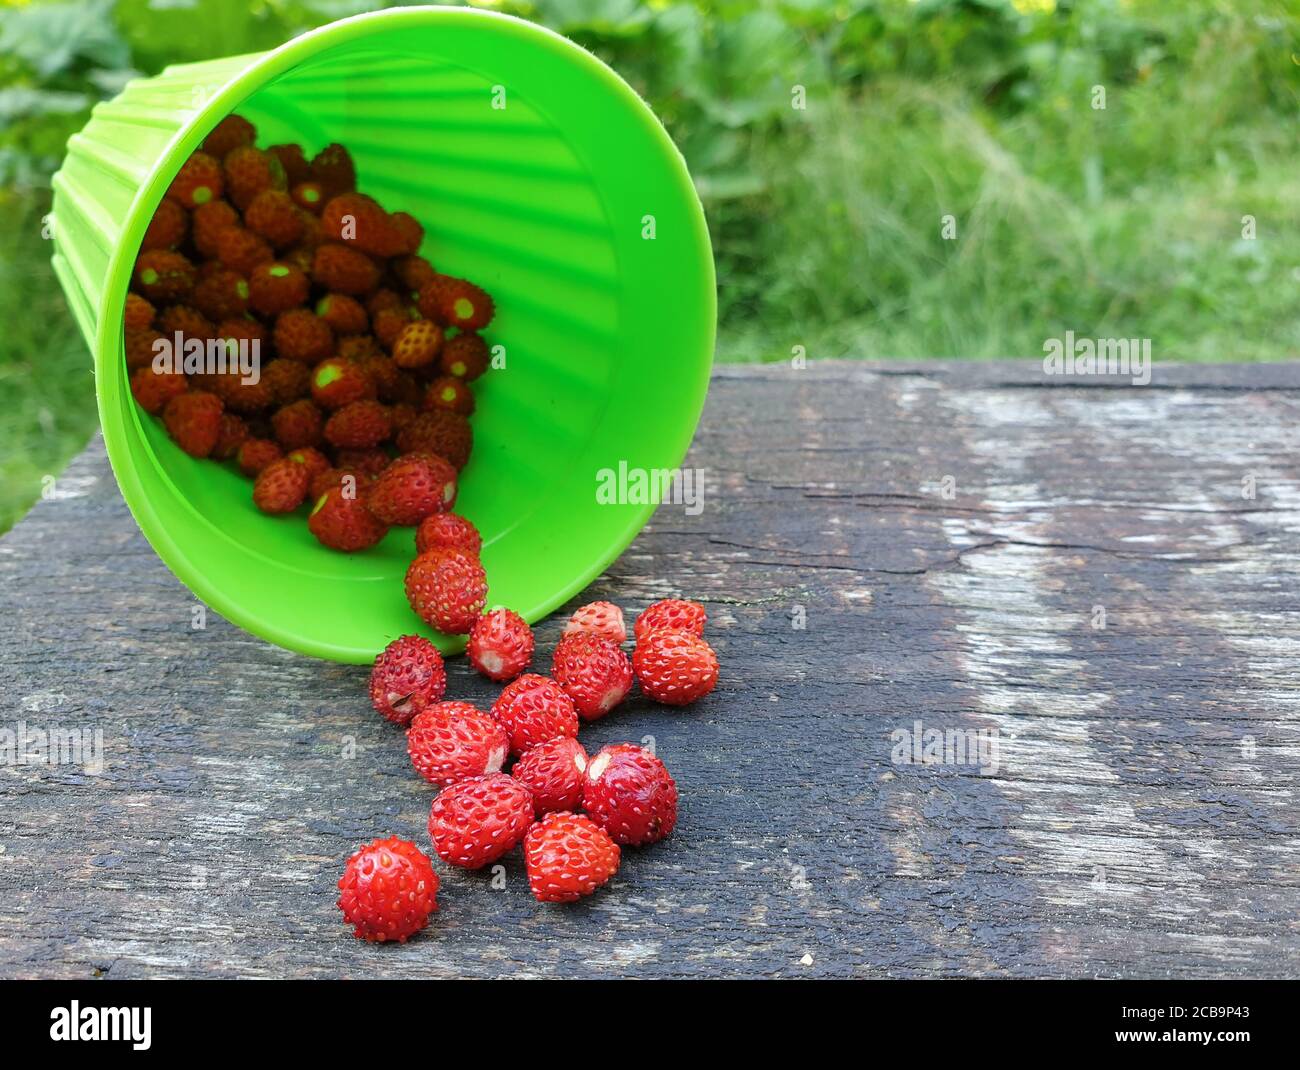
(538, 173)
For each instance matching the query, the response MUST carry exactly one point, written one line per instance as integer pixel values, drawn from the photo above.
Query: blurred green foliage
(828, 139)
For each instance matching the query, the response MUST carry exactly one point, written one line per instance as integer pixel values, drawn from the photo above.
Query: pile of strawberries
(361, 409)
(572, 812)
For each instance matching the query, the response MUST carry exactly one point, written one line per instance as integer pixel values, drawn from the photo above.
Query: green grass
(48, 412)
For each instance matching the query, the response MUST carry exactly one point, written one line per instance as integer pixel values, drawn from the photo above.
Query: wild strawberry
(554, 772)
(476, 821)
(672, 613)
(500, 644)
(448, 434)
(534, 709)
(359, 348)
(348, 480)
(336, 267)
(408, 677)
(167, 228)
(453, 741)
(413, 272)
(417, 344)
(465, 356)
(593, 671)
(232, 132)
(358, 425)
(386, 376)
(315, 462)
(402, 413)
(292, 162)
(233, 433)
(256, 454)
(568, 856)
(272, 215)
(359, 221)
(449, 393)
(413, 487)
(388, 890)
(309, 196)
(197, 182)
(337, 382)
(447, 590)
(298, 424)
(410, 233)
(447, 531)
(186, 321)
(302, 335)
(163, 276)
(599, 618)
(194, 421)
(344, 523)
(389, 323)
(207, 221)
(281, 487)
(221, 295)
(248, 171)
(241, 250)
(138, 313)
(276, 286)
(287, 380)
(153, 391)
(333, 168)
(456, 302)
(344, 314)
(674, 666)
(630, 794)
(141, 347)
(241, 396)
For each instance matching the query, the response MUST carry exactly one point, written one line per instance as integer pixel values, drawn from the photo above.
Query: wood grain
(945, 534)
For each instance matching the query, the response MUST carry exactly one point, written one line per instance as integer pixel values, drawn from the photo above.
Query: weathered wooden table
(1087, 589)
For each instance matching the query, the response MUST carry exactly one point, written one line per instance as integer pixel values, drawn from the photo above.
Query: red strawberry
(153, 392)
(466, 356)
(300, 334)
(336, 267)
(500, 644)
(671, 613)
(359, 221)
(599, 618)
(194, 421)
(388, 890)
(241, 250)
(187, 322)
(281, 487)
(337, 382)
(447, 531)
(141, 347)
(554, 772)
(568, 856)
(370, 461)
(593, 671)
(447, 589)
(198, 182)
(163, 276)
(167, 228)
(630, 794)
(228, 135)
(333, 168)
(276, 286)
(248, 171)
(345, 314)
(447, 434)
(408, 677)
(273, 215)
(350, 481)
(255, 454)
(344, 523)
(413, 487)
(292, 161)
(410, 232)
(209, 220)
(222, 295)
(674, 666)
(358, 425)
(534, 709)
(298, 424)
(454, 741)
(448, 392)
(476, 821)
(456, 303)
(389, 323)
(138, 314)
(417, 344)
(309, 196)
(315, 462)
(233, 433)
(413, 271)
